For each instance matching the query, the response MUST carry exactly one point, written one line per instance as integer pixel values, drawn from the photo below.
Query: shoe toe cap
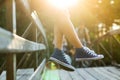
(101, 56)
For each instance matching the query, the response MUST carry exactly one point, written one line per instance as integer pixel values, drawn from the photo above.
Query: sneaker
(60, 57)
(86, 54)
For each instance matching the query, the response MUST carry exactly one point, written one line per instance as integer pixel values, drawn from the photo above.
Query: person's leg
(66, 27)
(58, 38)
(58, 55)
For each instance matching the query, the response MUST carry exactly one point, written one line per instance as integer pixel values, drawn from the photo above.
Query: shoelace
(91, 52)
(66, 59)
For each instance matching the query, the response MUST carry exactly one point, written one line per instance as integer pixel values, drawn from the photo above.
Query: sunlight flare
(63, 3)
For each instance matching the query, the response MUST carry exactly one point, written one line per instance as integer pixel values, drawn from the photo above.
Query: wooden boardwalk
(95, 73)
(22, 74)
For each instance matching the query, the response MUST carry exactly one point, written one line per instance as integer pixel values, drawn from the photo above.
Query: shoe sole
(83, 59)
(63, 65)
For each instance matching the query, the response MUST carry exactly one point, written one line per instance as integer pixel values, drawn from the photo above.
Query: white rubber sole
(67, 66)
(94, 58)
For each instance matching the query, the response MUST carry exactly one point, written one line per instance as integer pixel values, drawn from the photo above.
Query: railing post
(36, 54)
(11, 25)
(11, 67)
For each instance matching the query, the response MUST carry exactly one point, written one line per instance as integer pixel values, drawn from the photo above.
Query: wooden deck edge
(38, 72)
(13, 43)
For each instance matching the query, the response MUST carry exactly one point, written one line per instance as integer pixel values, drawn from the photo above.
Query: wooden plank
(85, 74)
(64, 75)
(24, 74)
(96, 74)
(104, 76)
(113, 70)
(12, 43)
(38, 72)
(3, 75)
(50, 74)
(111, 75)
(76, 76)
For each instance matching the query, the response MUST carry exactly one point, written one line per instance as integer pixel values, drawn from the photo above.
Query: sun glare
(63, 3)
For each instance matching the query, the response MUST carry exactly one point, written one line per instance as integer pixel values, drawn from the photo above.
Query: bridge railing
(108, 45)
(11, 44)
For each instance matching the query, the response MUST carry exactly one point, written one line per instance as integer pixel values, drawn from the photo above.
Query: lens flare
(63, 3)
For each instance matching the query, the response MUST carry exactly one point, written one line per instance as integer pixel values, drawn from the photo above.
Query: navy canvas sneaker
(60, 57)
(86, 54)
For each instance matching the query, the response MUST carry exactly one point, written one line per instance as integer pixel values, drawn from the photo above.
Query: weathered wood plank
(85, 74)
(111, 75)
(76, 76)
(96, 74)
(38, 72)
(3, 75)
(103, 75)
(22, 74)
(12, 43)
(113, 70)
(26, 74)
(64, 75)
